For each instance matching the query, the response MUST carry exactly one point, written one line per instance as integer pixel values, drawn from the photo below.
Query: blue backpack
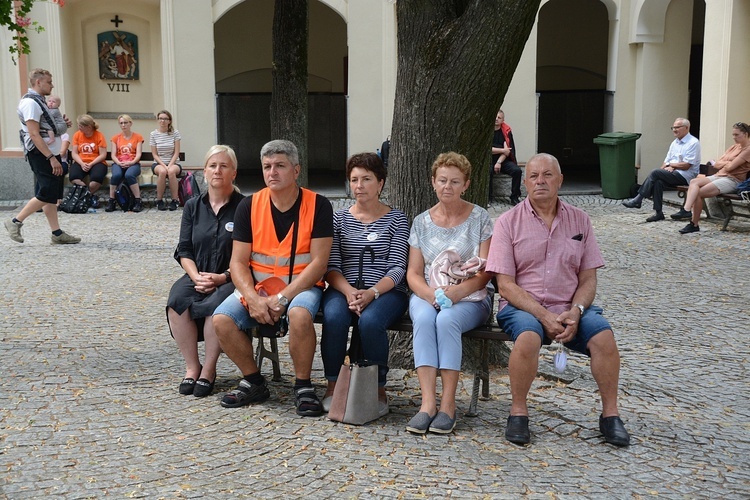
(743, 186)
(124, 197)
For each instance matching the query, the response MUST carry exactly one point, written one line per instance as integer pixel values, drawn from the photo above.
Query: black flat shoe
(632, 203)
(203, 388)
(517, 430)
(614, 431)
(187, 386)
(690, 228)
(656, 217)
(682, 215)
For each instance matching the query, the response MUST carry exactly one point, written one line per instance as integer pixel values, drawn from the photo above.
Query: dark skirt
(183, 297)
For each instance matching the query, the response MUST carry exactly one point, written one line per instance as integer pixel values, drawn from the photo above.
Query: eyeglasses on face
(163, 119)
(677, 127)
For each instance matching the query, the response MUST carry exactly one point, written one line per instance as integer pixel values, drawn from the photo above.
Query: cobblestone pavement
(89, 405)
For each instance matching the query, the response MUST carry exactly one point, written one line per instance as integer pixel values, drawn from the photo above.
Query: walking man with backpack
(43, 158)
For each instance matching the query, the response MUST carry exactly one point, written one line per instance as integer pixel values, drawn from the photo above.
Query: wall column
(371, 74)
(725, 97)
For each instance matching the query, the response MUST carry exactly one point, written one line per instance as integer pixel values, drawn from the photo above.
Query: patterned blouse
(464, 238)
(387, 237)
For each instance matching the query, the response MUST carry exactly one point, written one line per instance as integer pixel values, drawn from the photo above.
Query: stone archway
(571, 81)
(243, 65)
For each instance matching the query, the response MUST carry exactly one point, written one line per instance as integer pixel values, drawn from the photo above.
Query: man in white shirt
(43, 158)
(680, 166)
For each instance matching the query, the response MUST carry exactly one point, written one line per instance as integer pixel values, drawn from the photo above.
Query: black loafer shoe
(517, 430)
(656, 217)
(632, 204)
(682, 215)
(187, 386)
(203, 387)
(614, 431)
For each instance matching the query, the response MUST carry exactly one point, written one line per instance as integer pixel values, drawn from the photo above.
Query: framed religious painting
(118, 55)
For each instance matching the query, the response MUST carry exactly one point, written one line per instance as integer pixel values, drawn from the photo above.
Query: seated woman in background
(451, 224)
(126, 156)
(165, 147)
(366, 272)
(732, 168)
(88, 152)
(204, 251)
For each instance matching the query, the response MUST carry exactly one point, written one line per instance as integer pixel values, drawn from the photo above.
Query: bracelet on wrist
(50, 157)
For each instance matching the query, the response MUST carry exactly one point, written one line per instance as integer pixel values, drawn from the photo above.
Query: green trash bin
(617, 163)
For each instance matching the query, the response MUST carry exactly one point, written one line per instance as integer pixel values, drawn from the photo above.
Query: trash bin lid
(615, 138)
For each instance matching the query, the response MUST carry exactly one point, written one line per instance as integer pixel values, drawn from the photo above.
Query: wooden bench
(484, 333)
(728, 201)
(144, 180)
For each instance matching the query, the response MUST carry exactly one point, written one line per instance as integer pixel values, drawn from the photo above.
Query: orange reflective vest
(270, 257)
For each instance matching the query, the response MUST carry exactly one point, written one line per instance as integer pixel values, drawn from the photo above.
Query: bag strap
(295, 231)
(43, 105)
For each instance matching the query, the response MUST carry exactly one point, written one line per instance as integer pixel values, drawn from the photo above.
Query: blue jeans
(437, 334)
(515, 321)
(131, 175)
(232, 307)
(373, 323)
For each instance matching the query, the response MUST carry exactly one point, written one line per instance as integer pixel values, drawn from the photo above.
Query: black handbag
(77, 201)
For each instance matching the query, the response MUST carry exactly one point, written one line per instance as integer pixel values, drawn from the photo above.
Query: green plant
(14, 16)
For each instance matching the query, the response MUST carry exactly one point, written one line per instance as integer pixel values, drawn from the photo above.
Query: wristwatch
(580, 308)
(228, 275)
(375, 291)
(283, 301)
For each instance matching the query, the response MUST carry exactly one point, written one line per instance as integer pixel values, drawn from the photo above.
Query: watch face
(283, 300)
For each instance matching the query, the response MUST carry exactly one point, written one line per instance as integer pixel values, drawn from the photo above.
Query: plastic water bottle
(92, 210)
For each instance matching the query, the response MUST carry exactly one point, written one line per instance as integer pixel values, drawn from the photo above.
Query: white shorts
(726, 184)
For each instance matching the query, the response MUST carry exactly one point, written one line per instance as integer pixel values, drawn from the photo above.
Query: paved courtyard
(89, 405)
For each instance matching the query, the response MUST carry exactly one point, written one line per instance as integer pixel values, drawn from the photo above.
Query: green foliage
(14, 16)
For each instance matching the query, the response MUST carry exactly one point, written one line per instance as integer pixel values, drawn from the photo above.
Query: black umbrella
(360, 283)
(355, 347)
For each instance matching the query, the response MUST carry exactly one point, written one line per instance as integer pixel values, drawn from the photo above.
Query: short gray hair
(280, 147)
(539, 157)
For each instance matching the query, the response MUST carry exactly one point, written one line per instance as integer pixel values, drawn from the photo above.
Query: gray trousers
(653, 186)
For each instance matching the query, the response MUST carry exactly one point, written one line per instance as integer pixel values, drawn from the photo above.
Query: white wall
(661, 93)
(726, 73)
(372, 73)
(193, 78)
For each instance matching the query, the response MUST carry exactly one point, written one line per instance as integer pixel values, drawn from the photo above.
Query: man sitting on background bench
(680, 166)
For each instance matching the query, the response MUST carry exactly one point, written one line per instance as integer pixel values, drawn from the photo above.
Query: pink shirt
(736, 160)
(544, 262)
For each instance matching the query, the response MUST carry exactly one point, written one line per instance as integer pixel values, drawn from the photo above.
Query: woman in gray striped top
(366, 274)
(165, 148)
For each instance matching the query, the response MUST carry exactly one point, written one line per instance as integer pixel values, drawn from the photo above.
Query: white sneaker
(383, 408)
(327, 403)
(65, 239)
(14, 230)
